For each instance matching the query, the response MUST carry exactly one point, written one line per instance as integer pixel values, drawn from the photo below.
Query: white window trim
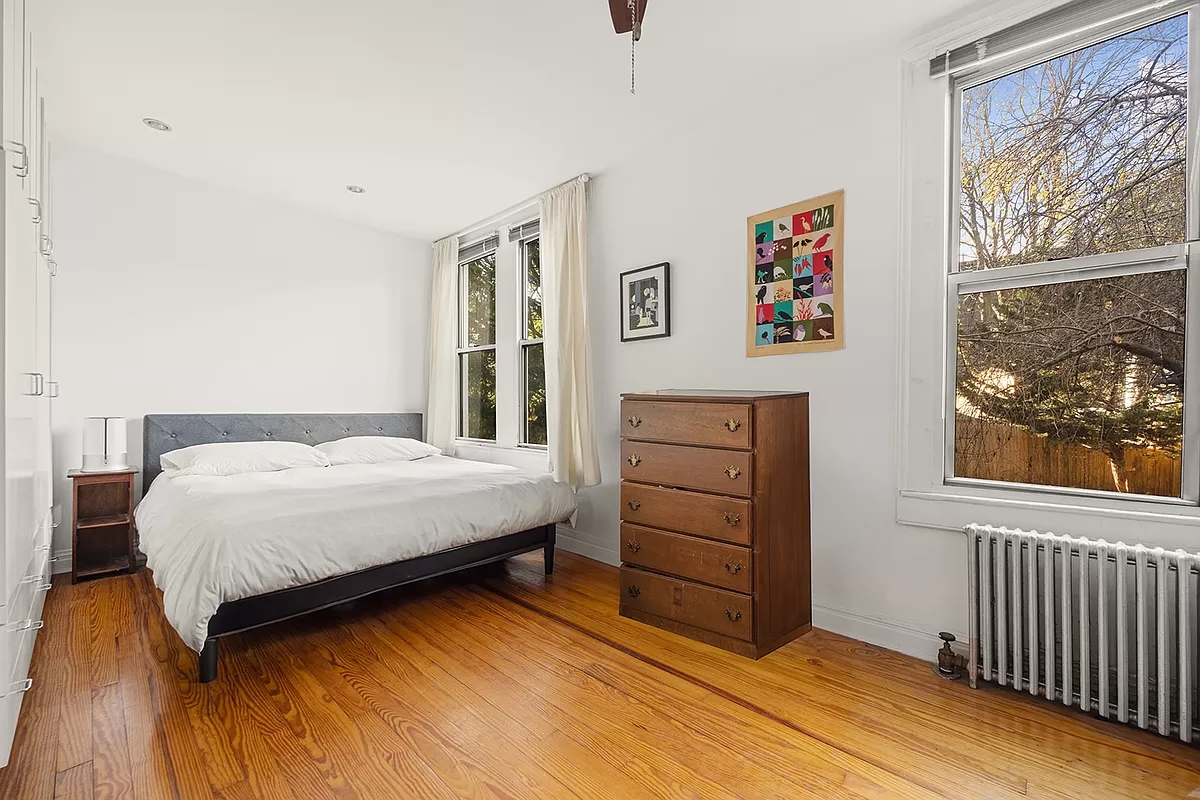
(924, 498)
(507, 447)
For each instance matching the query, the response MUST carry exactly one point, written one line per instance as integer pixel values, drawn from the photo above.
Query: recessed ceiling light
(156, 124)
(353, 189)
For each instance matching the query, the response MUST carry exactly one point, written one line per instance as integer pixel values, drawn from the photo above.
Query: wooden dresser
(715, 517)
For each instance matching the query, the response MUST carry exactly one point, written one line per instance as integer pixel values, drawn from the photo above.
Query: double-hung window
(502, 373)
(1071, 283)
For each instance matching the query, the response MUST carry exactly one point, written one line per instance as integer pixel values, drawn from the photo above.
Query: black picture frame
(664, 302)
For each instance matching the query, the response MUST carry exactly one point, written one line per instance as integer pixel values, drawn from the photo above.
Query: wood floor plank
(312, 711)
(203, 705)
(302, 764)
(74, 783)
(707, 717)
(149, 774)
(902, 735)
(102, 630)
(440, 732)
(111, 768)
(184, 755)
(506, 683)
(595, 704)
(75, 711)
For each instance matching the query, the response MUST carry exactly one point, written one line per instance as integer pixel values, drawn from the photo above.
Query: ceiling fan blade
(621, 16)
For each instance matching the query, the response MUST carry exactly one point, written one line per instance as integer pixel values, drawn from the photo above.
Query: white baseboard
(881, 631)
(568, 541)
(63, 564)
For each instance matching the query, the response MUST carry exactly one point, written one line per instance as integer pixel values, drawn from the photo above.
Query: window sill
(531, 457)
(952, 507)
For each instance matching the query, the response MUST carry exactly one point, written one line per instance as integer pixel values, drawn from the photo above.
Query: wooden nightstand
(102, 527)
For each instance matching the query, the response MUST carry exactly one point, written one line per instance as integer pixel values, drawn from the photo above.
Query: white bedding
(211, 539)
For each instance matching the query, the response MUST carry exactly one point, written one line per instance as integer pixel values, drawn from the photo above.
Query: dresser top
(707, 395)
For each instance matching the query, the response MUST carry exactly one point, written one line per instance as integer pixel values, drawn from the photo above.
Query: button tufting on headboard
(162, 433)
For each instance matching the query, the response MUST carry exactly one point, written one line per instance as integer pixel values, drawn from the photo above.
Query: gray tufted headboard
(162, 433)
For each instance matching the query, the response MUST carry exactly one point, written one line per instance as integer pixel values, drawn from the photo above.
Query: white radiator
(1110, 628)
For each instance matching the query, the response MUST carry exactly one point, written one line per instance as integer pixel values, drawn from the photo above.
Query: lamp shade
(104, 448)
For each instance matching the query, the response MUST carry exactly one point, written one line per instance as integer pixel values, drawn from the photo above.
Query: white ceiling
(447, 111)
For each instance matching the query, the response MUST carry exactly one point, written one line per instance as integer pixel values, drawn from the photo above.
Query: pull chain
(633, 46)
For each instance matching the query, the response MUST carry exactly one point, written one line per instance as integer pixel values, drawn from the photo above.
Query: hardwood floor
(508, 684)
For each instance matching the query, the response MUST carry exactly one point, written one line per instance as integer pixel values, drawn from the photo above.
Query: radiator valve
(949, 663)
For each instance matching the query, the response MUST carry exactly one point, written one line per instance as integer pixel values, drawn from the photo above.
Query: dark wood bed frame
(162, 433)
(253, 612)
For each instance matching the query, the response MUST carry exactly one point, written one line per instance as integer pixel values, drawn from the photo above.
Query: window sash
(463, 389)
(1168, 257)
(523, 438)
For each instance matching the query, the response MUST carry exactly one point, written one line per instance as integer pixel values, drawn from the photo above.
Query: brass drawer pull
(732, 424)
(635, 545)
(734, 568)
(732, 519)
(733, 471)
(634, 591)
(634, 505)
(634, 460)
(635, 421)
(733, 614)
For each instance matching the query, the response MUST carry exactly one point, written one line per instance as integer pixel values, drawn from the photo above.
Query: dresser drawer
(704, 607)
(723, 565)
(688, 423)
(721, 471)
(723, 518)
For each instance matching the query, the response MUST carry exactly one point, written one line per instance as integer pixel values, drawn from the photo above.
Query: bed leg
(208, 661)
(551, 532)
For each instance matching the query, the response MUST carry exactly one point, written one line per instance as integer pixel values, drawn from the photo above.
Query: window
(1068, 288)
(502, 372)
(533, 362)
(477, 347)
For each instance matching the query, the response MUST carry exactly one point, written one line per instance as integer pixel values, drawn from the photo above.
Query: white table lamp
(104, 446)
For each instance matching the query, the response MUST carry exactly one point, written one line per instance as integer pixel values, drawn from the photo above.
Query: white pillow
(233, 458)
(374, 449)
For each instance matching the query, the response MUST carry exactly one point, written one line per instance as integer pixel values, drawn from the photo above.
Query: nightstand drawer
(704, 607)
(709, 424)
(724, 518)
(723, 565)
(721, 471)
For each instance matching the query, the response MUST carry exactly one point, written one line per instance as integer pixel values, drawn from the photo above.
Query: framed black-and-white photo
(646, 303)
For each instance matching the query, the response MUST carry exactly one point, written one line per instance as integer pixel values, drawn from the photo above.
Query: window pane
(1080, 155)
(479, 283)
(534, 365)
(1075, 384)
(533, 289)
(479, 394)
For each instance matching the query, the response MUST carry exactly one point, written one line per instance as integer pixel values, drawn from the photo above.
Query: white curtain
(442, 406)
(569, 401)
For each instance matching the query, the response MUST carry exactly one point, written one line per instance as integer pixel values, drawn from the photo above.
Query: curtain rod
(492, 220)
(1083, 28)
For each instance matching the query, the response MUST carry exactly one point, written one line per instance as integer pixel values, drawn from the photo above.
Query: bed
(236, 552)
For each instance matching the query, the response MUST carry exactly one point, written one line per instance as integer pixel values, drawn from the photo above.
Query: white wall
(175, 296)
(872, 578)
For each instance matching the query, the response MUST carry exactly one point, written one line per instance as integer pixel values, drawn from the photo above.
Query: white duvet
(211, 539)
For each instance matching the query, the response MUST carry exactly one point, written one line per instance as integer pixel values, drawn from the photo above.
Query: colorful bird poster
(796, 275)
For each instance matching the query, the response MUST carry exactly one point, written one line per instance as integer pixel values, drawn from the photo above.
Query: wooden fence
(1001, 452)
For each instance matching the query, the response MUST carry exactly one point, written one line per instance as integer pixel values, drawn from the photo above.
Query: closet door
(23, 383)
